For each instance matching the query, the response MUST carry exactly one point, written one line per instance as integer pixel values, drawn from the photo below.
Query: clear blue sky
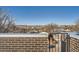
(43, 14)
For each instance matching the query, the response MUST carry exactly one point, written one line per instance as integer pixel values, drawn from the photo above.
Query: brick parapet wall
(23, 44)
(74, 45)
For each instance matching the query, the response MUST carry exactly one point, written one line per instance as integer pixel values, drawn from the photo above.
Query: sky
(39, 15)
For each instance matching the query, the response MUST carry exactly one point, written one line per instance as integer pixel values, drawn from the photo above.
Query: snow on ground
(23, 35)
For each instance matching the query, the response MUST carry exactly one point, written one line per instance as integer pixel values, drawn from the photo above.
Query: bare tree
(77, 22)
(51, 27)
(6, 21)
(76, 26)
